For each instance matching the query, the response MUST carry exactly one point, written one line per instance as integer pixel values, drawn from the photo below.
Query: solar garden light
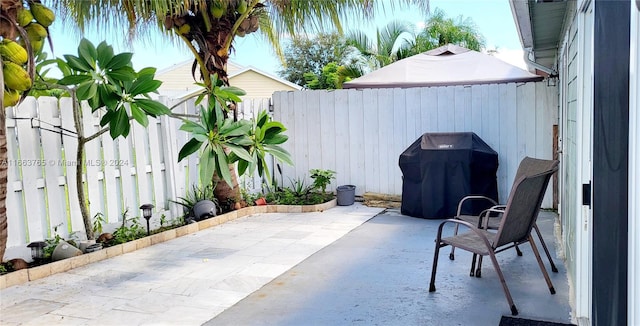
(146, 213)
(37, 250)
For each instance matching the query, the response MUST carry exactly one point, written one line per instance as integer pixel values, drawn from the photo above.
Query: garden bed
(38, 272)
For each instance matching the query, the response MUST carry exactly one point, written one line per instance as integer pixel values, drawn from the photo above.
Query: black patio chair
(517, 221)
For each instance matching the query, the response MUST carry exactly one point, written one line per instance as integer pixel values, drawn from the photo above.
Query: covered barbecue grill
(439, 169)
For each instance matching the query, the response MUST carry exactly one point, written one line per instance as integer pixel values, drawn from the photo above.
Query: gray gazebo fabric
(444, 66)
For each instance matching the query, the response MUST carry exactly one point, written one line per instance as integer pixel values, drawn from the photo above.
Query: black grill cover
(439, 169)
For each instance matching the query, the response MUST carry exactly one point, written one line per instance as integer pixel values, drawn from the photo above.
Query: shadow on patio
(379, 273)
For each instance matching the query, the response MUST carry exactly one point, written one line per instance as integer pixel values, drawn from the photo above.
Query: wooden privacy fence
(360, 134)
(120, 174)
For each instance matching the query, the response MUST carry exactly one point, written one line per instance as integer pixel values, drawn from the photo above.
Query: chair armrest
(499, 209)
(473, 197)
(472, 227)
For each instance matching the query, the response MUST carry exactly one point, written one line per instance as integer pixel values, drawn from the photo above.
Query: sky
(492, 17)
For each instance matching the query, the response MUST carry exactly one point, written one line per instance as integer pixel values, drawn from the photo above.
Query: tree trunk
(3, 182)
(227, 195)
(82, 200)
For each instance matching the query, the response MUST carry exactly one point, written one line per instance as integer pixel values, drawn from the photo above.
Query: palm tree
(209, 27)
(440, 30)
(10, 30)
(392, 43)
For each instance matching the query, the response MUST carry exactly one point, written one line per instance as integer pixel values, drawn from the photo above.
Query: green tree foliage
(390, 44)
(440, 30)
(399, 40)
(327, 79)
(309, 55)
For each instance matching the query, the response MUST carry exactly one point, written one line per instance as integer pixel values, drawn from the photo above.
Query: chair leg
(479, 268)
(541, 264)
(452, 254)
(473, 265)
(518, 251)
(546, 250)
(494, 261)
(432, 284)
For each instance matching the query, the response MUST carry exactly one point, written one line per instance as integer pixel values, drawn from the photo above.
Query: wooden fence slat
(111, 166)
(314, 134)
(17, 232)
(52, 159)
(142, 167)
(356, 137)
(93, 177)
(70, 144)
(372, 147)
(29, 162)
(385, 139)
(341, 135)
(156, 159)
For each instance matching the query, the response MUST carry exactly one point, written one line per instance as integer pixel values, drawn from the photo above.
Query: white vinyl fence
(120, 174)
(360, 134)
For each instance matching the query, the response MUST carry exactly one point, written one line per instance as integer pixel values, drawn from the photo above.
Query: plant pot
(346, 195)
(83, 245)
(261, 201)
(204, 209)
(64, 250)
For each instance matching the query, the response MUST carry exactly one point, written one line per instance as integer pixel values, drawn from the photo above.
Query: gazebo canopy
(444, 66)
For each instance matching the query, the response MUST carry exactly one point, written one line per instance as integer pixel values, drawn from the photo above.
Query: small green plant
(163, 220)
(52, 243)
(126, 233)
(321, 178)
(98, 222)
(196, 194)
(4, 268)
(248, 197)
(299, 188)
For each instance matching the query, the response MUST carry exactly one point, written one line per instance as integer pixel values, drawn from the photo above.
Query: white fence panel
(363, 132)
(120, 174)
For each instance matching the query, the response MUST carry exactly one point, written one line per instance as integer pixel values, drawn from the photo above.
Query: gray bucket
(346, 195)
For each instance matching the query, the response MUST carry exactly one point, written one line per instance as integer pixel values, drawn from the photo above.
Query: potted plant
(199, 203)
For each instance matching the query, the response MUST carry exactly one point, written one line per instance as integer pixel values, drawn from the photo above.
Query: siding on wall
(178, 79)
(258, 85)
(570, 141)
(360, 134)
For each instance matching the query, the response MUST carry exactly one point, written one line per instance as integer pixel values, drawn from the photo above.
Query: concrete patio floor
(379, 274)
(323, 268)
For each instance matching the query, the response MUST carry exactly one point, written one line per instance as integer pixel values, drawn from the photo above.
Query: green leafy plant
(321, 178)
(128, 231)
(98, 222)
(108, 83)
(195, 194)
(52, 243)
(222, 141)
(107, 80)
(299, 188)
(297, 194)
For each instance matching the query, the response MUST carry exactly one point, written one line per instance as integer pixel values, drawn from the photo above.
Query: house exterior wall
(257, 85)
(568, 69)
(177, 79)
(360, 134)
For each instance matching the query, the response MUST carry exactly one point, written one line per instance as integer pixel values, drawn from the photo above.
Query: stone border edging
(34, 273)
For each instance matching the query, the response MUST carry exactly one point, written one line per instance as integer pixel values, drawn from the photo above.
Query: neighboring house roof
(444, 66)
(539, 25)
(178, 82)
